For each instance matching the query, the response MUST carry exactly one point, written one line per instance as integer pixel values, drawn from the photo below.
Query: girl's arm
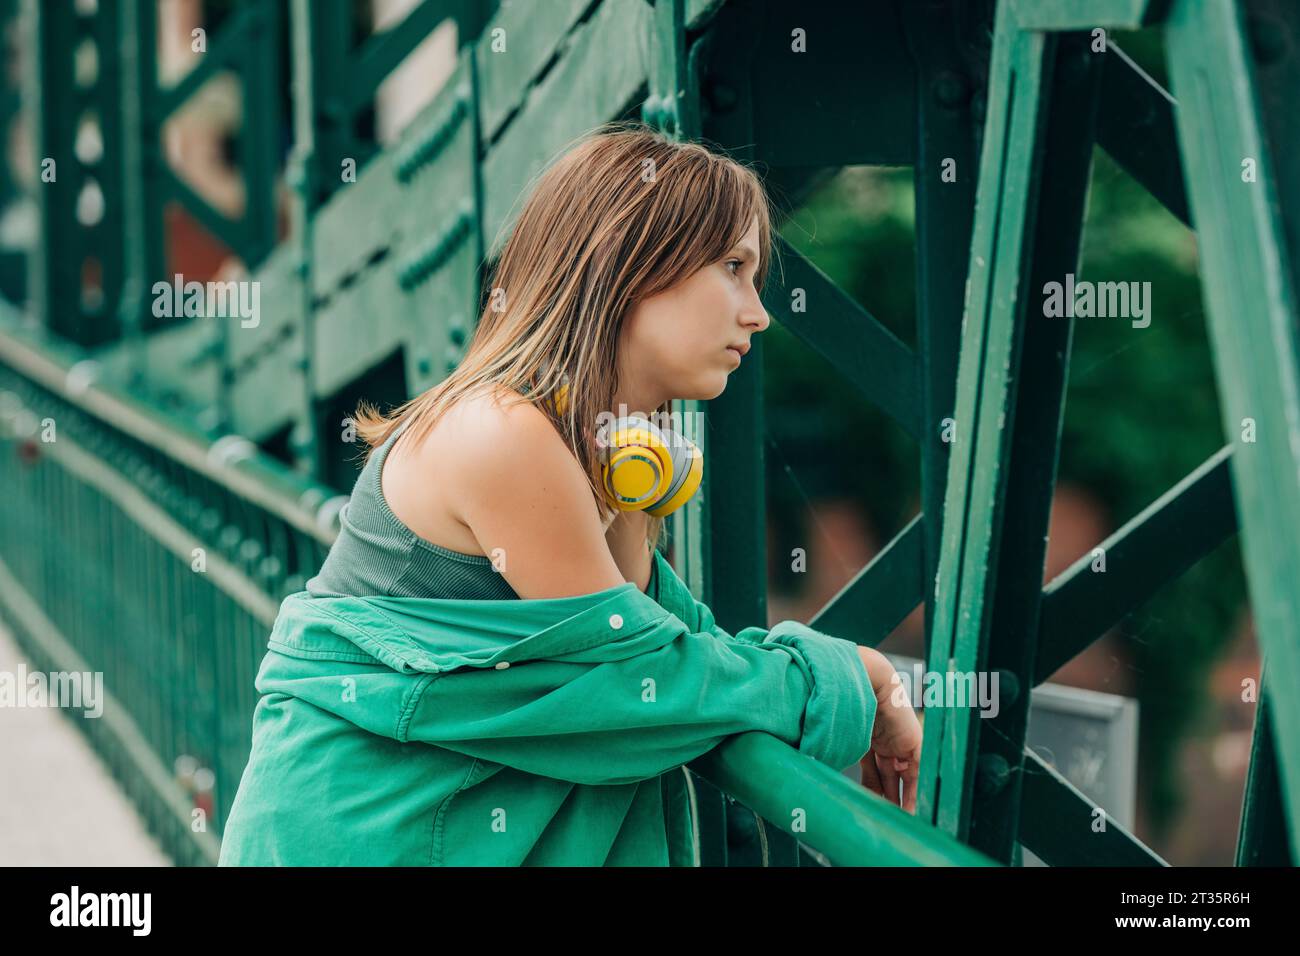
(524, 497)
(640, 705)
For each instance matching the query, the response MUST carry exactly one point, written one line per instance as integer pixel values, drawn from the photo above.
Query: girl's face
(685, 341)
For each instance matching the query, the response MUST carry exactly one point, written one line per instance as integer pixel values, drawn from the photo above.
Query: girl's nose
(757, 316)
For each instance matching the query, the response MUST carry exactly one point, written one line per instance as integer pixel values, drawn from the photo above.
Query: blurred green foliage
(821, 431)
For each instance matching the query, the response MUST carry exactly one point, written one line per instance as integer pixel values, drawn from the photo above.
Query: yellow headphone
(648, 468)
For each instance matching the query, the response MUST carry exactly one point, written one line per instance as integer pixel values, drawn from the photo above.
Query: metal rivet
(951, 90)
(992, 773)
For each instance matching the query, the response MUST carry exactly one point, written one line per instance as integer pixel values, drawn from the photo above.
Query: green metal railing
(134, 547)
(209, 435)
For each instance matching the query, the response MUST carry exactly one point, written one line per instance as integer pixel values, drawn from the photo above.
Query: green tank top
(376, 554)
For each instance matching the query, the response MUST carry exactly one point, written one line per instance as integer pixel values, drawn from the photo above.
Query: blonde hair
(621, 216)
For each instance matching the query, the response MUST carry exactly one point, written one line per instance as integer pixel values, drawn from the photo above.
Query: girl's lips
(735, 352)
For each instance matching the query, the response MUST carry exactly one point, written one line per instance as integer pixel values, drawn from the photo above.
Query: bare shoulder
(524, 496)
(430, 479)
(488, 427)
(485, 439)
(509, 453)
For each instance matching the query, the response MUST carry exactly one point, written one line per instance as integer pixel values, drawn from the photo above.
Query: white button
(616, 621)
(502, 665)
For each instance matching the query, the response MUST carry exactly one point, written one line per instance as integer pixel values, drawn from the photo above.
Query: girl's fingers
(871, 776)
(890, 779)
(910, 782)
(911, 773)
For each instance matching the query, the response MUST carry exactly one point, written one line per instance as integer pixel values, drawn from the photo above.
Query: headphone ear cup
(640, 467)
(651, 469)
(637, 476)
(688, 474)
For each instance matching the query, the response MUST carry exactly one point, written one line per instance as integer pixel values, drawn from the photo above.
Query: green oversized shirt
(433, 732)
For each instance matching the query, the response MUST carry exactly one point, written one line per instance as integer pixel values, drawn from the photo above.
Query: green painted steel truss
(375, 290)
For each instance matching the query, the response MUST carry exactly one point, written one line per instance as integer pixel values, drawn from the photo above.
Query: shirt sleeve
(632, 719)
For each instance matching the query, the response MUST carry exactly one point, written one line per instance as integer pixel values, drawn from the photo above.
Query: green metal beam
(1033, 427)
(881, 595)
(1033, 178)
(851, 339)
(1262, 837)
(1088, 14)
(1135, 125)
(1152, 549)
(63, 260)
(383, 52)
(985, 397)
(229, 231)
(944, 177)
(1064, 828)
(226, 47)
(1254, 332)
(833, 84)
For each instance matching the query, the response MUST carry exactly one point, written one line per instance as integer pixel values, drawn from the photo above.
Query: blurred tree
(859, 231)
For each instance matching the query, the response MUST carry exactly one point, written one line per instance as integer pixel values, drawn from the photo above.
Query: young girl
(631, 278)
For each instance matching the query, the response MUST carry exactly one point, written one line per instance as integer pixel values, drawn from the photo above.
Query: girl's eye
(738, 263)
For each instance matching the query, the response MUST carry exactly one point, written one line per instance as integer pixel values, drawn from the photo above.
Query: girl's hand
(895, 754)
